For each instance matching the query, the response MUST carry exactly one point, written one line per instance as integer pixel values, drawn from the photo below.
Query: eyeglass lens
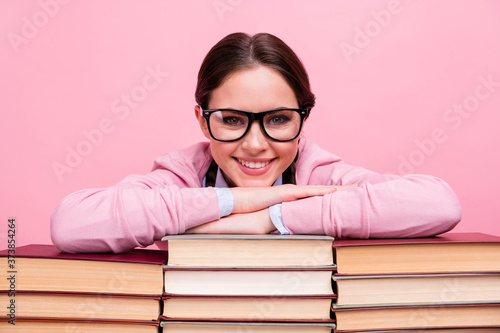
(232, 125)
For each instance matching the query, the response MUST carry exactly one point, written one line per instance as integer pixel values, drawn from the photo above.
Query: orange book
(447, 253)
(465, 316)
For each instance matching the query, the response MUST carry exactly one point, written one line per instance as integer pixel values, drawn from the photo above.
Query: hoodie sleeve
(382, 206)
(137, 211)
(128, 215)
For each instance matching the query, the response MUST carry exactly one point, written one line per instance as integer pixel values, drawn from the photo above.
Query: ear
(202, 121)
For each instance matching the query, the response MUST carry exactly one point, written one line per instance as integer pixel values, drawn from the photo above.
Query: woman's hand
(251, 208)
(257, 222)
(251, 199)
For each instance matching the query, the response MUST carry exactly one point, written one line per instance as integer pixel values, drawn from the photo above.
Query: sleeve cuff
(226, 200)
(277, 219)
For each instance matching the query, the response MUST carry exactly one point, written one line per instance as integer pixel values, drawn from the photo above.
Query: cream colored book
(248, 250)
(247, 308)
(424, 289)
(239, 327)
(257, 282)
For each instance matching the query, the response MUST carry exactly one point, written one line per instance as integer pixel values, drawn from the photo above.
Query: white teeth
(253, 165)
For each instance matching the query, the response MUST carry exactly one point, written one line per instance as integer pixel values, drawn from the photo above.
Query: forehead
(256, 89)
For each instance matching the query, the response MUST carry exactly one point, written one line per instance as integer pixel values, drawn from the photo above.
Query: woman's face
(254, 160)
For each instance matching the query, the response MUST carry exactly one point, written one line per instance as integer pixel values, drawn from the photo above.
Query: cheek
(220, 150)
(286, 152)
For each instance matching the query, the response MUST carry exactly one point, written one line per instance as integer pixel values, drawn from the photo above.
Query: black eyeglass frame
(303, 113)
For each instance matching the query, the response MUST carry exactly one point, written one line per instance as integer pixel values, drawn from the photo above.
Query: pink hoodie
(143, 208)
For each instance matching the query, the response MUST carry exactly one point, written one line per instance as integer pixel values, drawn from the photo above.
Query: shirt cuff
(275, 214)
(226, 200)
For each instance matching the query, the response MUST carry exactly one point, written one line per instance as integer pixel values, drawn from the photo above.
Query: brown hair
(239, 51)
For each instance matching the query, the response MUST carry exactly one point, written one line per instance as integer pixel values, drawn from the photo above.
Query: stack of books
(248, 283)
(262, 284)
(43, 290)
(448, 283)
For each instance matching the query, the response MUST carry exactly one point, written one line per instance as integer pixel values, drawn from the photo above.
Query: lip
(255, 172)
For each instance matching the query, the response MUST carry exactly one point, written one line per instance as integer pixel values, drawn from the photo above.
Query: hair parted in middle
(239, 51)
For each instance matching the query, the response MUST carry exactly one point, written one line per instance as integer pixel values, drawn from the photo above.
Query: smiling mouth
(253, 165)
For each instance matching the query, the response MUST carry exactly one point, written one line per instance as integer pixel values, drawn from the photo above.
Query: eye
(232, 121)
(278, 119)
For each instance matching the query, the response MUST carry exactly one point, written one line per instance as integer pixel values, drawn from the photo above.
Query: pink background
(390, 79)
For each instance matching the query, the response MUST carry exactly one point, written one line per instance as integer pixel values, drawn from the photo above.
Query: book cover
(449, 237)
(47, 251)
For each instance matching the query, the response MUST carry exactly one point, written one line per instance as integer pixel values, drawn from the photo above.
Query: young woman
(256, 174)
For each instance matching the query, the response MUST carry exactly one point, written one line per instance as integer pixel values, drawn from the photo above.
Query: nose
(255, 140)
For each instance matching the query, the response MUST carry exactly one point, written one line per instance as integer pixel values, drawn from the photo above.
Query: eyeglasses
(228, 125)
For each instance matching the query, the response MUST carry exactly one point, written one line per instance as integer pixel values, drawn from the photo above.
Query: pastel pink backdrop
(91, 91)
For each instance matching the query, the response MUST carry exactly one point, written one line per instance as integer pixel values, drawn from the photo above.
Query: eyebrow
(236, 109)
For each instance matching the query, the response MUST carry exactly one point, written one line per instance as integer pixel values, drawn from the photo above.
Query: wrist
(277, 219)
(226, 200)
(269, 225)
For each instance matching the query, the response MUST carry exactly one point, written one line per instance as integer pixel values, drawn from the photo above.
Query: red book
(44, 268)
(43, 284)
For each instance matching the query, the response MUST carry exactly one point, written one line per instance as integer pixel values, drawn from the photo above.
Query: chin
(255, 183)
